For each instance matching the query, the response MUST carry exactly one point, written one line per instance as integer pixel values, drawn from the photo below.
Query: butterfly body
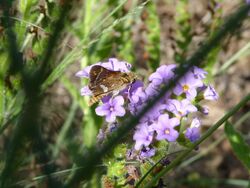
(104, 81)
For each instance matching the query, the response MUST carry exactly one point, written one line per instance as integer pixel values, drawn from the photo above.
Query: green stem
(152, 168)
(210, 131)
(232, 60)
(65, 128)
(214, 144)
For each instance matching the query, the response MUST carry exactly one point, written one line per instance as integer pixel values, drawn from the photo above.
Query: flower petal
(102, 110)
(173, 136)
(82, 74)
(163, 118)
(85, 91)
(110, 117)
(210, 93)
(138, 144)
(191, 93)
(116, 65)
(119, 111)
(174, 122)
(178, 89)
(117, 101)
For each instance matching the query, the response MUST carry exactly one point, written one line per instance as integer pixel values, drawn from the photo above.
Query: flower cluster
(167, 119)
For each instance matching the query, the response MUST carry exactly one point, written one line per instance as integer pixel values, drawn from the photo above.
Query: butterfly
(103, 82)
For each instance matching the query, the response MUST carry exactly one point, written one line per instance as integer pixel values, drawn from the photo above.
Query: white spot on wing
(104, 88)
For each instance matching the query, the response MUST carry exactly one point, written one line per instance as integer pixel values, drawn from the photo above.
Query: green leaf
(91, 121)
(239, 146)
(25, 7)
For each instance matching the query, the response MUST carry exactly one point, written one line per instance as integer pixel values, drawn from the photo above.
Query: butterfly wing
(97, 74)
(102, 82)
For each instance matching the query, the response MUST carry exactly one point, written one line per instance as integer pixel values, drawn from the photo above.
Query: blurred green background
(144, 33)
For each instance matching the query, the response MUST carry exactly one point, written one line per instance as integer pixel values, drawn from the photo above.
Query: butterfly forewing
(99, 74)
(104, 81)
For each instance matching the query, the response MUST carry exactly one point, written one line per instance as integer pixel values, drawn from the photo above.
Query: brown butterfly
(103, 82)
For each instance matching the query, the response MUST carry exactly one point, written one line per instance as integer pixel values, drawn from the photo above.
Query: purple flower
(116, 65)
(137, 101)
(111, 109)
(180, 108)
(85, 91)
(106, 98)
(193, 133)
(156, 123)
(204, 110)
(199, 73)
(152, 90)
(129, 91)
(188, 84)
(143, 136)
(210, 93)
(112, 64)
(147, 152)
(85, 72)
(162, 75)
(153, 113)
(137, 96)
(165, 128)
(134, 109)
